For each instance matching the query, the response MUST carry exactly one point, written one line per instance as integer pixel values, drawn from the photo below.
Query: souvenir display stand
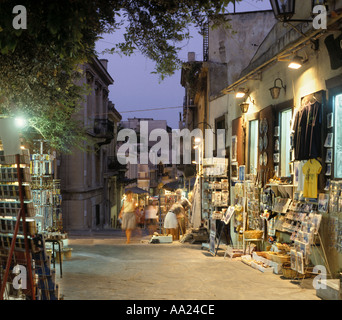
(215, 202)
(45, 190)
(21, 247)
(253, 223)
(47, 202)
(292, 226)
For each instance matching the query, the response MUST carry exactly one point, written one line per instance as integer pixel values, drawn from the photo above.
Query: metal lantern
(319, 2)
(244, 107)
(275, 91)
(283, 9)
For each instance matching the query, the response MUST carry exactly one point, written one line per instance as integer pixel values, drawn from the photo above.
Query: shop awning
(136, 190)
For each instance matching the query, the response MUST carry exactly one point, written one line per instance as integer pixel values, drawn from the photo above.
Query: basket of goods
(262, 254)
(268, 255)
(280, 258)
(283, 247)
(253, 234)
(289, 273)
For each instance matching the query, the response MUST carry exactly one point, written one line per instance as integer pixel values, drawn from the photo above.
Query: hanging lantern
(283, 9)
(244, 107)
(275, 90)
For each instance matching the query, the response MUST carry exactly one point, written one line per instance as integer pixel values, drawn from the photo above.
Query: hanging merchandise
(307, 131)
(311, 170)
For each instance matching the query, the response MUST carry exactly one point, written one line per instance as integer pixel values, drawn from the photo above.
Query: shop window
(253, 146)
(338, 136)
(285, 147)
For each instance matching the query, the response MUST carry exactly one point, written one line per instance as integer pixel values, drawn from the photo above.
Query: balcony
(114, 167)
(103, 128)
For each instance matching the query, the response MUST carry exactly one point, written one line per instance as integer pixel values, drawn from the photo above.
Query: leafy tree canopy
(39, 64)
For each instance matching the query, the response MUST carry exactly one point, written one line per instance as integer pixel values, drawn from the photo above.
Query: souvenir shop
(31, 232)
(285, 165)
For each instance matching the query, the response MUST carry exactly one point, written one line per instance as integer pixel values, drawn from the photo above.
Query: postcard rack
(21, 247)
(16, 234)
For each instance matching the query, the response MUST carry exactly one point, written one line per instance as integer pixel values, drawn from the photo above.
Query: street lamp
(283, 9)
(20, 122)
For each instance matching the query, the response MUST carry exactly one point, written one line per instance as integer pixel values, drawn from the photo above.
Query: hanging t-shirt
(300, 175)
(311, 169)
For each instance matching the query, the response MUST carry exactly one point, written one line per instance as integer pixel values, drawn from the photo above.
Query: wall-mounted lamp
(241, 93)
(284, 11)
(244, 106)
(296, 62)
(275, 91)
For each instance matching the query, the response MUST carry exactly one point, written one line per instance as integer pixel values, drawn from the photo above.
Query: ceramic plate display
(265, 125)
(261, 143)
(276, 145)
(264, 156)
(265, 141)
(260, 159)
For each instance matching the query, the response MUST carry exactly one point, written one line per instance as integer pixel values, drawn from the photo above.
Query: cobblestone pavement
(105, 268)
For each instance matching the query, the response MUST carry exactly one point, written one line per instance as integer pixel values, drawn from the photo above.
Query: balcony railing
(114, 165)
(103, 128)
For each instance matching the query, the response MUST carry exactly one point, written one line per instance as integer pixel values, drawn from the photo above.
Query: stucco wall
(237, 46)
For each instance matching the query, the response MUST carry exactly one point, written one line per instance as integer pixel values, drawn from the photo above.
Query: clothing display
(307, 131)
(311, 169)
(300, 186)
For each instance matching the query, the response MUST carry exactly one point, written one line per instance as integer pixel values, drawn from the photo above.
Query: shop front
(285, 159)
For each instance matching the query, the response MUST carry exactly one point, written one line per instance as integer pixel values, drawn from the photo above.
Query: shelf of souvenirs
(216, 185)
(284, 187)
(24, 158)
(301, 215)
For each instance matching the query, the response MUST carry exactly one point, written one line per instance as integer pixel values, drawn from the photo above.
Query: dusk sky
(135, 88)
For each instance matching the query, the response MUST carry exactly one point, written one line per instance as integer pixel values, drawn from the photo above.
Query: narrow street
(105, 268)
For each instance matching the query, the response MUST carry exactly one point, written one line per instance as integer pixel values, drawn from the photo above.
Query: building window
(338, 136)
(285, 147)
(253, 146)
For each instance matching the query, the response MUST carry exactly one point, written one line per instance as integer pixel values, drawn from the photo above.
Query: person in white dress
(127, 214)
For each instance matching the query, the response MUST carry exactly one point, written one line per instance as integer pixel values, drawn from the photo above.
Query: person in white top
(127, 214)
(173, 217)
(151, 217)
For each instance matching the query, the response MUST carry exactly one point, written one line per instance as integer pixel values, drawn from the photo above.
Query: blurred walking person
(151, 217)
(127, 214)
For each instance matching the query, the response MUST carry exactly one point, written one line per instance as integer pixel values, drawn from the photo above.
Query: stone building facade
(90, 181)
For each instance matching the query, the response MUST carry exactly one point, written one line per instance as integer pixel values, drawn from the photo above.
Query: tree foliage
(39, 66)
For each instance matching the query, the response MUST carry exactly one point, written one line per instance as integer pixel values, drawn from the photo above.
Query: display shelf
(45, 190)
